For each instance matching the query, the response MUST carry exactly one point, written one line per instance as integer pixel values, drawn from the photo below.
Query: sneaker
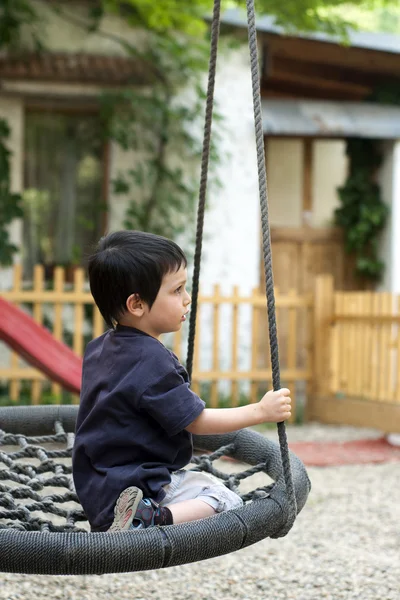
(146, 511)
(125, 509)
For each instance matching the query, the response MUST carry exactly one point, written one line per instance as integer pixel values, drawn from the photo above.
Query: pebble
(345, 544)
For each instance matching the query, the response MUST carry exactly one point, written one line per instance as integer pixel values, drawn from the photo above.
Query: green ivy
(362, 213)
(10, 203)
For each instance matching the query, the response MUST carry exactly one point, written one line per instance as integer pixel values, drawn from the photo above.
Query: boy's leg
(194, 495)
(190, 510)
(190, 496)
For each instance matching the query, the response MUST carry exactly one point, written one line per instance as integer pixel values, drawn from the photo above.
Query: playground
(312, 473)
(345, 544)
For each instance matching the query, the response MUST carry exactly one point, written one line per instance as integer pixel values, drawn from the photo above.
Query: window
(64, 204)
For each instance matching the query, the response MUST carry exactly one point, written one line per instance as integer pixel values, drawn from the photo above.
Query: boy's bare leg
(190, 510)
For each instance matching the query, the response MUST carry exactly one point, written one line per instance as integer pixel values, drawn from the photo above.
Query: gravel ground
(345, 544)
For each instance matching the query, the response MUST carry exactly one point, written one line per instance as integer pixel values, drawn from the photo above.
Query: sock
(163, 516)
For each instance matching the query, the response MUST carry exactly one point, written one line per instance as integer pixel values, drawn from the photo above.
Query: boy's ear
(135, 305)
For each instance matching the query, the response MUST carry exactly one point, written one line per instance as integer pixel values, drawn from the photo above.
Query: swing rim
(75, 553)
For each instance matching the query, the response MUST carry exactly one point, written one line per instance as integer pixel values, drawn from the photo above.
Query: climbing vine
(10, 203)
(362, 213)
(144, 119)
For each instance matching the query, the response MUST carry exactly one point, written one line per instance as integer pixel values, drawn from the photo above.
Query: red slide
(38, 347)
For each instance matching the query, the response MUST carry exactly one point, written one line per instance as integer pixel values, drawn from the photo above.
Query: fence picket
(397, 329)
(98, 322)
(195, 385)
(62, 295)
(365, 344)
(292, 350)
(215, 346)
(365, 351)
(15, 382)
(38, 284)
(254, 345)
(235, 322)
(57, 320)
(385, 366)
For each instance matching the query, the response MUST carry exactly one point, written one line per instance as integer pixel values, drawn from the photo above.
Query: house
(314, 97)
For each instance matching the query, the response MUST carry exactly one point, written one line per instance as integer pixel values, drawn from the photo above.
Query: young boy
(137, 412)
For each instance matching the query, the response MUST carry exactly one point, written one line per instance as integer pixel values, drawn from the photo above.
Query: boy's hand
(275, 407)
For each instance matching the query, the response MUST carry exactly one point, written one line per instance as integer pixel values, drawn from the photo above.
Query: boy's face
(170, 306)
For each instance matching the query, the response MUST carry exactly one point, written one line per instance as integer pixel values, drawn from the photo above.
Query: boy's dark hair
(130, 262)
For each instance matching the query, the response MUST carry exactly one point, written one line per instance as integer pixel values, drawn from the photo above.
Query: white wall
(232, 222)
(11, 109)
(285, 180)
(63, 35)
(389, 180)
(329, 173)
(232, 227)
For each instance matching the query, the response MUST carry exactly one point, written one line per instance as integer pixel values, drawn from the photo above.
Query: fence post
(323, 314)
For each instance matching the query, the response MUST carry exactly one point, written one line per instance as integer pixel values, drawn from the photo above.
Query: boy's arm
(274, 407)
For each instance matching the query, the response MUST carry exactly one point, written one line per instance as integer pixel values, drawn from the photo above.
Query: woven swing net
(37, 491)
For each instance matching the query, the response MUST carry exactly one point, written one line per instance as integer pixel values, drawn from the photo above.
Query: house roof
(330, 119)
(381, 42)
(76, 68)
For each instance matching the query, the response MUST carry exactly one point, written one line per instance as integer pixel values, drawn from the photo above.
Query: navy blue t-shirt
(135, 404)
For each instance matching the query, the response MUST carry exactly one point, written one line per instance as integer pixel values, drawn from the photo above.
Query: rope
(262, 178)
(28, 471)
(205, 159)
(267, 253)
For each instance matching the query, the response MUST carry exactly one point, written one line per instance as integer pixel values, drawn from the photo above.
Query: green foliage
(362, 213)
(164, 15)
(382, 16)
(149, 122)
(328, 16)
(161, 130)
(162, 183)
(10, 204)
(15, 15)
(387, 93)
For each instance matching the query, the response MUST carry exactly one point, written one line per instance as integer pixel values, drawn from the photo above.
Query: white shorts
(188, 485)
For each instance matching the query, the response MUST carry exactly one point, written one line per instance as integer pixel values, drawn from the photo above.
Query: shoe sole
(125, 509)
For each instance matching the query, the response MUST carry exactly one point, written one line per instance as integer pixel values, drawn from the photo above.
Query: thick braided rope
(262, 179)
(203, 182)
(29, 471)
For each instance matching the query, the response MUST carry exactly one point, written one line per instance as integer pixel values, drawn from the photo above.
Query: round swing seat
(31, 544)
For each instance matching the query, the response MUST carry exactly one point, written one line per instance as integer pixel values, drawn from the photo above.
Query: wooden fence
(231, 360)
(357, 357)
(339, 350)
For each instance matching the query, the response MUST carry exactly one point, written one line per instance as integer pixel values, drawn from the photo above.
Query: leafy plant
(362, 213)
(172, 48)
(16, 17)
(10, 203)
(162, 184)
